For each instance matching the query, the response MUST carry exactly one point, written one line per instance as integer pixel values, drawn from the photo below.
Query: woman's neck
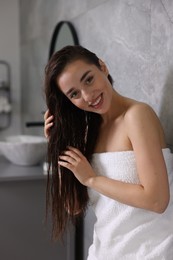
(118, 107)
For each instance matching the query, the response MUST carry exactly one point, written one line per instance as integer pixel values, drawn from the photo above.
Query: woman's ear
(103, 67)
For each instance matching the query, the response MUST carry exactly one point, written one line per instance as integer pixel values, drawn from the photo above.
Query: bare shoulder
(141, 120)
(140, 112)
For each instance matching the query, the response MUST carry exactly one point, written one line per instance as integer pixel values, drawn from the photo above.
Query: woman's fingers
(46, 114)
(68, 159)
(72, 154)
(48, 123)
(66, 165)
(49, 119)
(75, 151)
(67, 162)
(46, 129)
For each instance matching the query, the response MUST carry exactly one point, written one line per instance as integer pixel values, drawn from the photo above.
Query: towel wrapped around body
(125, 232)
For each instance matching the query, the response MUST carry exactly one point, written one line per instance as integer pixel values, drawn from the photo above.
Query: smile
(98, 102)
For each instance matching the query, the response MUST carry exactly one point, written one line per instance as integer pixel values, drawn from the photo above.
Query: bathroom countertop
(12, 172)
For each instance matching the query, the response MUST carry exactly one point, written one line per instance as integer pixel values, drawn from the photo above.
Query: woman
(111, 151)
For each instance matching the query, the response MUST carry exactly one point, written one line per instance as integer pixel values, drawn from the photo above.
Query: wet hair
(66, 197)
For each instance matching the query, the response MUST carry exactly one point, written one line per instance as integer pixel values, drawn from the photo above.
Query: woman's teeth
(97, 101)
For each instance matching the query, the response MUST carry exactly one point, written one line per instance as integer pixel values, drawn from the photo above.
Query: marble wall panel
(161, 67)
(133, 37)
(124, 44)
(168, 6)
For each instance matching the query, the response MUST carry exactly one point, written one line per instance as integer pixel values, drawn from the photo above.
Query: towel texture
(124, 232)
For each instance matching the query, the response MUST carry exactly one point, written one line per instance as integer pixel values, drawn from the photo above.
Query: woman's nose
(87, 96)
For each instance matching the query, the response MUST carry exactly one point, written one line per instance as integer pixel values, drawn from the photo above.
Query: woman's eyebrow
(84, 75)
(69, 91)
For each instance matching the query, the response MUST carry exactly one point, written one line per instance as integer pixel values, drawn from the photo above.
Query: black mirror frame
(56, 32)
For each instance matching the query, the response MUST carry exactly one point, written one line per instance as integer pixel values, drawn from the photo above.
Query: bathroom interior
(133, 37)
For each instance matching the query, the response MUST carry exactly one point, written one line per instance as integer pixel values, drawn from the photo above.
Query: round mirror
(63, 35)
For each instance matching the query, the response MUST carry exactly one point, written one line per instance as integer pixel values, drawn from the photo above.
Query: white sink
(24, 150)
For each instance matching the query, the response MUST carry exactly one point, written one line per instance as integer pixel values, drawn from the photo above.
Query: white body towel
(123, 232)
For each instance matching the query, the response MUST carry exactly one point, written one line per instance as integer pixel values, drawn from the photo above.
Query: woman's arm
(145, 134)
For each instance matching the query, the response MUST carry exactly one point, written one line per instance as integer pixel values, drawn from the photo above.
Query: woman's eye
(74, 94)
(89, 80)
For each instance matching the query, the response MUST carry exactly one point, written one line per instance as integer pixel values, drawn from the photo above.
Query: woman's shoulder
(141, 118)
(137, 110)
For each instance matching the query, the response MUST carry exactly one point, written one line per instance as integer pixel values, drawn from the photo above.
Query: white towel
(123, 232)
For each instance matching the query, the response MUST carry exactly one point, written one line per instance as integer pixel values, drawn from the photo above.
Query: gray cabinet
(23, 233)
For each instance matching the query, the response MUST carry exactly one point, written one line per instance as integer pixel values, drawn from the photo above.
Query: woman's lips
(97, 102)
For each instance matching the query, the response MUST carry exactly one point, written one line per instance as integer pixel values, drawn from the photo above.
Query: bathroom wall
(133, 37)
(10, 52)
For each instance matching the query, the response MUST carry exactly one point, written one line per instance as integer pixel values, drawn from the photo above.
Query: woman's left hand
(76, 162)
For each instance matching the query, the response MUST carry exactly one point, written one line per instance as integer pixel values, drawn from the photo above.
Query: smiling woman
(89, 88)
(109, 151)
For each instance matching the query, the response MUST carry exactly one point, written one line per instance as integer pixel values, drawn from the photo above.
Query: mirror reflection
(64, 34)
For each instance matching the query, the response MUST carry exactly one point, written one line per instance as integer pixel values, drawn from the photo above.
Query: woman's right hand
(48, 123)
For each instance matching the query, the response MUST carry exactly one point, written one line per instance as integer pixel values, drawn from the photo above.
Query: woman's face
(86, 86)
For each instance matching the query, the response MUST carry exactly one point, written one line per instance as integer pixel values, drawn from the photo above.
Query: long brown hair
(74, 127)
